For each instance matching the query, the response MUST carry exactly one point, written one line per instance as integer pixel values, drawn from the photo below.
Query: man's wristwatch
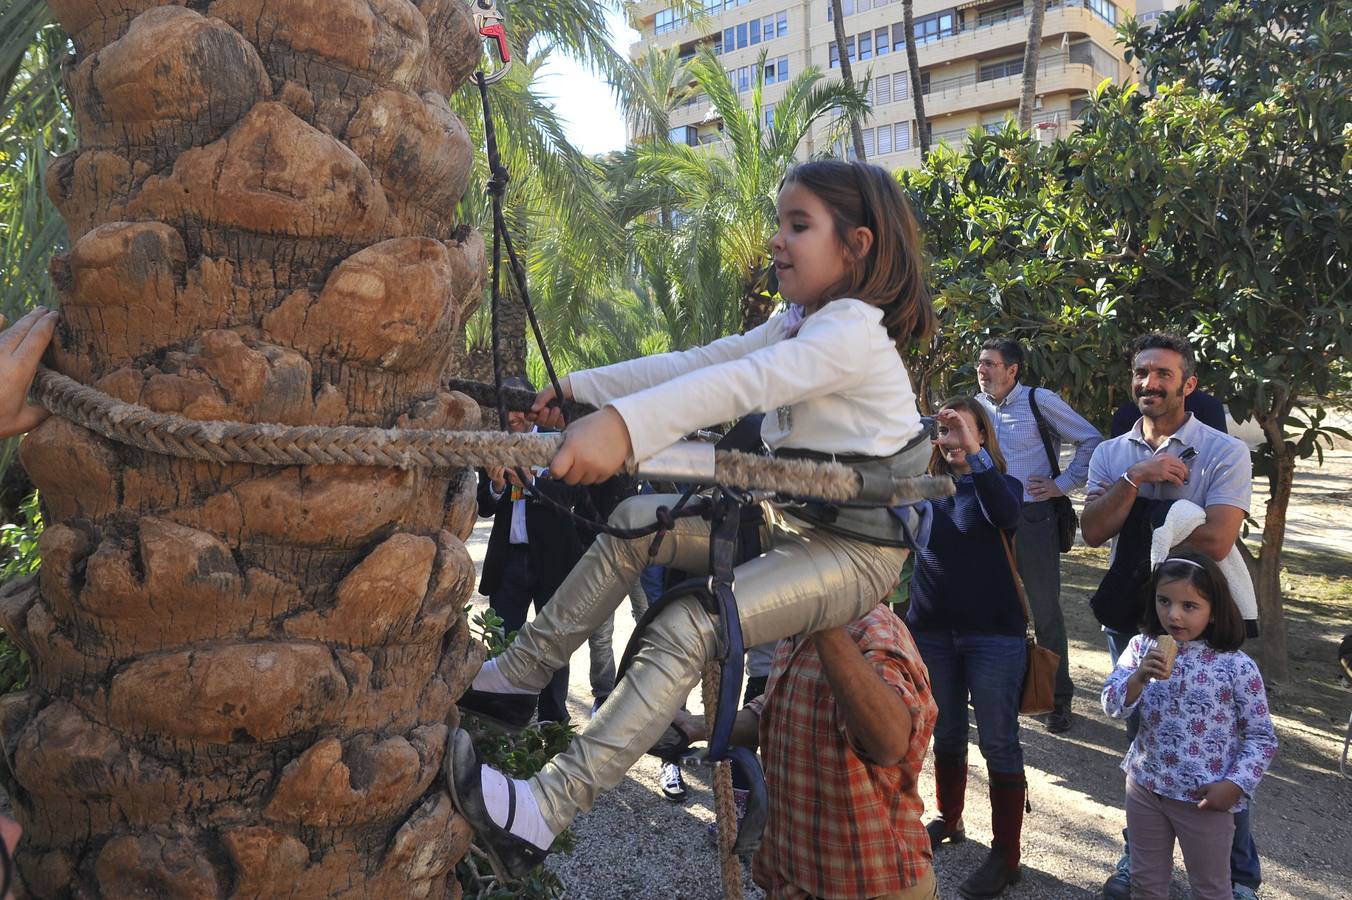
(1127, 479)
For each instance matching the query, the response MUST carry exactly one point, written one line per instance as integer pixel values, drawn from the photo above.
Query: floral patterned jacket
(1206, 723)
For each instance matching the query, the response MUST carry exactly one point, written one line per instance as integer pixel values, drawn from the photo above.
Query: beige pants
(927, 888)
(808, 580)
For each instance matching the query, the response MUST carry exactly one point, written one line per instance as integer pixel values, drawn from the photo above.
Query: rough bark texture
(922, 127)
(1268, 583)
(1032, 47)
(243, 676)
(847, 75)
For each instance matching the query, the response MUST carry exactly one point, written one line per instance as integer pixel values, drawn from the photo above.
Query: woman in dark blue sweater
(968, 622)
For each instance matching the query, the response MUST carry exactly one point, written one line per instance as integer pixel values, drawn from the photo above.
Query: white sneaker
(673, 787)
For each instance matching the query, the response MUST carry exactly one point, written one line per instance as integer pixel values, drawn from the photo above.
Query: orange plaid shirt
(839, 825)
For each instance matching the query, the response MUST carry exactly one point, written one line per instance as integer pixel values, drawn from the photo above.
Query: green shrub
(18, 557)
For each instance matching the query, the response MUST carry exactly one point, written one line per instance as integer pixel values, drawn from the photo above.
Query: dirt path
(635, 844)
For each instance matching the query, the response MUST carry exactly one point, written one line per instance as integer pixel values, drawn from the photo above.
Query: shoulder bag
(1066, 521)
(1039, 677)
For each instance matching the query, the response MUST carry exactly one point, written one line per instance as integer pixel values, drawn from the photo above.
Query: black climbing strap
(715, 594)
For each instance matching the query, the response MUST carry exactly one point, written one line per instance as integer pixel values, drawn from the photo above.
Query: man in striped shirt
(998, 370)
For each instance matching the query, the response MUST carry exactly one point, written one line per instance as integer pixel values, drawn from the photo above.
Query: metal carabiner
(489, 21)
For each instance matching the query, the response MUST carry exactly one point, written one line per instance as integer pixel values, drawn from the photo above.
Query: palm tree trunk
(1037, 10)
(913, 66)
(243, 676)
(847, 75)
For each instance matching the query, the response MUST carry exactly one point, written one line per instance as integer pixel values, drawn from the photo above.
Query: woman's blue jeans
(988, 669)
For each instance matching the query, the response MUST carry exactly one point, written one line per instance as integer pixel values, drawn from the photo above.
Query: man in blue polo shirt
(1169, 455)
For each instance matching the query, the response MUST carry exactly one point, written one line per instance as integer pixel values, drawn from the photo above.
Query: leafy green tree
(1231, 181)
(35, 126)
(1214, 202)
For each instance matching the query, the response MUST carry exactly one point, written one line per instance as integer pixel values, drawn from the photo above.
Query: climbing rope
(411, 448)
(725, 801)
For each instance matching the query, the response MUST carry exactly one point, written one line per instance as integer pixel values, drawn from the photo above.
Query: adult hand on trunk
(21, 346)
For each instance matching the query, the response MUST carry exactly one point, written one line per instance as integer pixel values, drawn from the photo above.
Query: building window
(870, 146)
(993, 127)
(741, 36)
(884, 139)
(880, 41)
(934, 27)
(902, 137)
(849, 48)
(1078, 106)
(866, 46)
(718, 43)
(769, 115)
(901, 86)
(1105, 10)
(729, 40)
(781, 24)
(684, 134)
(899, 37)
(924, 84)
(834, 53)
(666, 21)
(881, 88)
(1002, 69)
(713, 6)
(998, 15)
(847, 7)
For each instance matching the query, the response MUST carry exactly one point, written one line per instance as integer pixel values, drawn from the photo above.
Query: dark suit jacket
(556, 542)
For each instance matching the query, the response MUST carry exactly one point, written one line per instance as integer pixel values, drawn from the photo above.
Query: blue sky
(585, 102)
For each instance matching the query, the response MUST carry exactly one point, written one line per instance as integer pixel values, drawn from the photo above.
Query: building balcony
(1008, 33)
(963, 92)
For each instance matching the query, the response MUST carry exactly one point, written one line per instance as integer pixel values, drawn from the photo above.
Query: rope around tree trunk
(405, 448)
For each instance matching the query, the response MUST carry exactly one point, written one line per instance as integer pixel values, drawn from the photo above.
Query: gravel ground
(636, 844)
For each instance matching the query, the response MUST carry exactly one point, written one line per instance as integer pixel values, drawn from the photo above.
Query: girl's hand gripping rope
(594, 448)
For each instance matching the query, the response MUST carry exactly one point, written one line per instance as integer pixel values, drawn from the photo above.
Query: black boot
(950, 788)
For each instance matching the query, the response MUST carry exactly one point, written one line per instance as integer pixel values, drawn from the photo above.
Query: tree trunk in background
(847, 75)
(1268, 582)
(243, 676)
(913, 66)
(1036, 10)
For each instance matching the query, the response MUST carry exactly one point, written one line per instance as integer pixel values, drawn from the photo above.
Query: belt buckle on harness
(488, 22)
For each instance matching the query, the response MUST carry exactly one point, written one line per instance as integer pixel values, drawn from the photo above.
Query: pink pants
(1204, 836)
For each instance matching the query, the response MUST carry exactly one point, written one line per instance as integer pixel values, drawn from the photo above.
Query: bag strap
(1045, 432)
(1018, 582)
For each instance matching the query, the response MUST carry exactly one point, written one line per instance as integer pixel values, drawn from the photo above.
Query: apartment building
(970, 54)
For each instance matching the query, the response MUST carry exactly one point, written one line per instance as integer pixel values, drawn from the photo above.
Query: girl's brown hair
(939, 464)
(891, 276)
(1184, 563)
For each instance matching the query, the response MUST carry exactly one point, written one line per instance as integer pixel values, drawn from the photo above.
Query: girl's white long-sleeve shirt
(838, 386)
(1208, 722)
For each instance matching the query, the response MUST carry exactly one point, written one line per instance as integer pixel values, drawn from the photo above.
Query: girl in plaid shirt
(830, 376)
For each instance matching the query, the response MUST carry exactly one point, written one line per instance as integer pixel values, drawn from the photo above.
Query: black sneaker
(1118, 885)
(1058, 720)
(461, 767)
(512, 712)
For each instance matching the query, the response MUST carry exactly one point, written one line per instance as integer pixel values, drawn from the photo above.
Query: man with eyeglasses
(1032, 451)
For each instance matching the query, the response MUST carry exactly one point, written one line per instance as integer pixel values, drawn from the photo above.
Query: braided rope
(725, 806)
(406, 448)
